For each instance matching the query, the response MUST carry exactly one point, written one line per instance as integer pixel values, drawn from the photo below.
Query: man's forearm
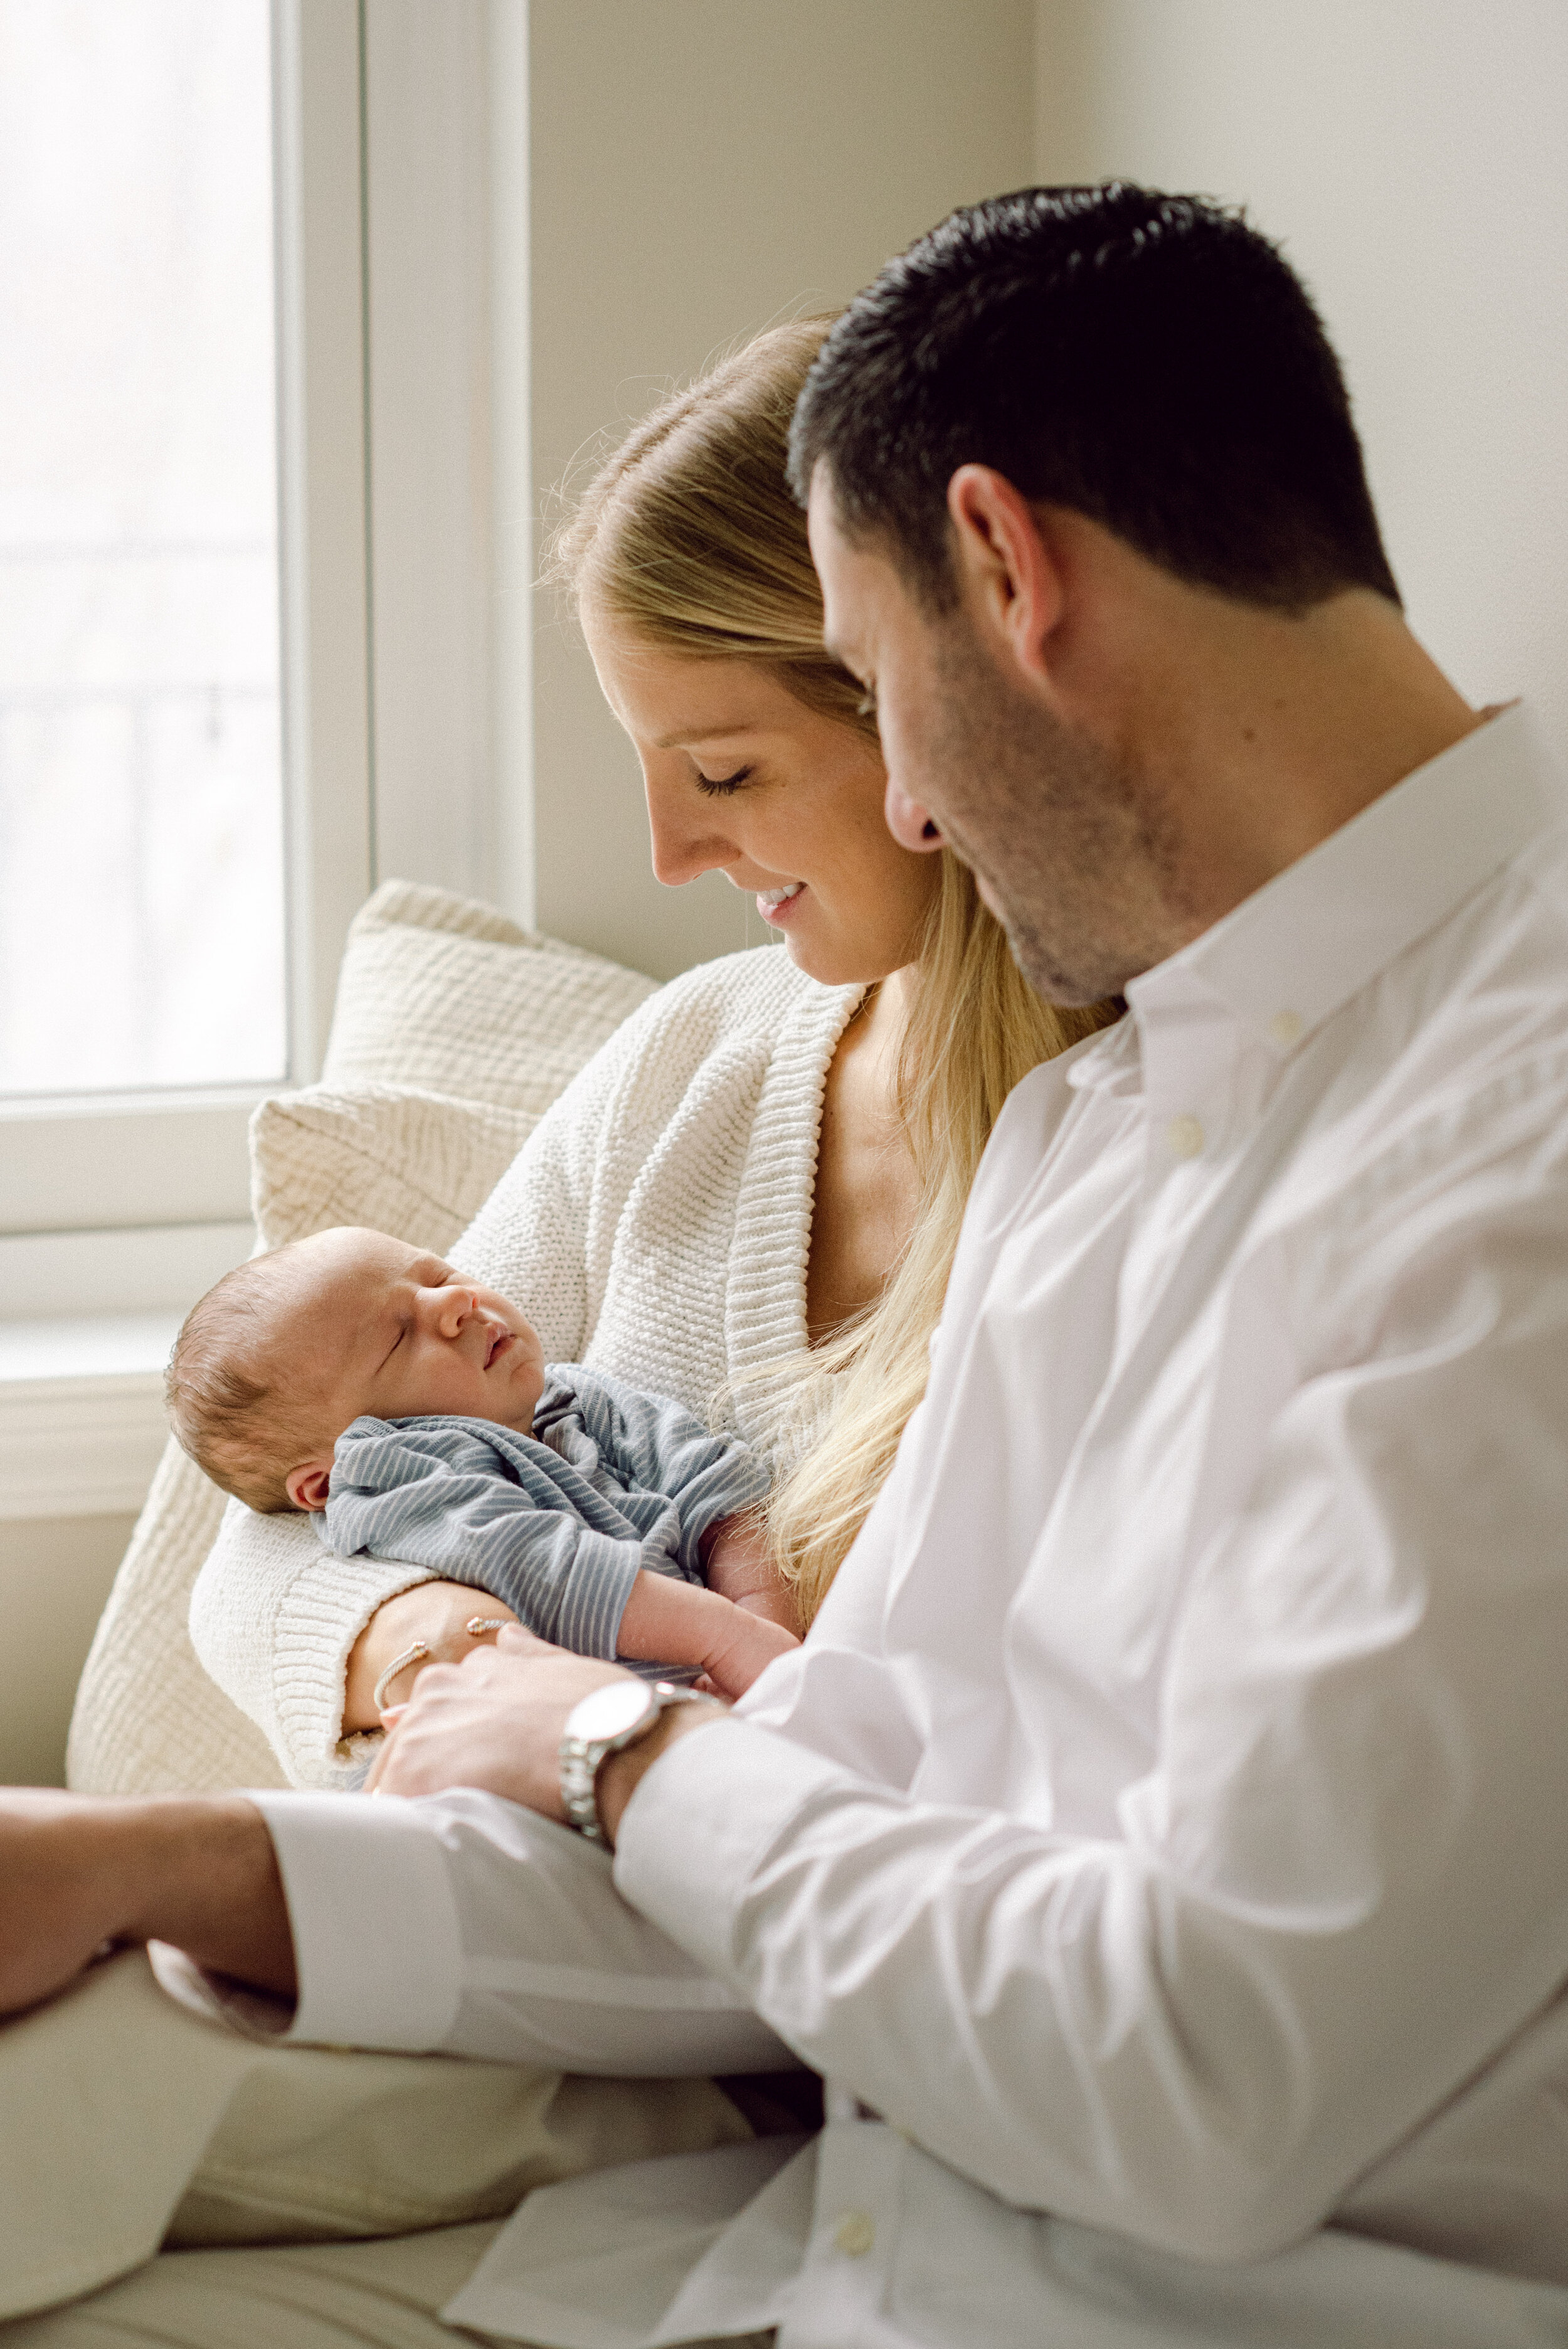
(212, 1888)
(196, 1870)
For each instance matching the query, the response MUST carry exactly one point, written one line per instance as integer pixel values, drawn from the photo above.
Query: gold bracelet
(412, 1655)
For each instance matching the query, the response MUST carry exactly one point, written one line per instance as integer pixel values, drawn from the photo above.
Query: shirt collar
(1290, 955)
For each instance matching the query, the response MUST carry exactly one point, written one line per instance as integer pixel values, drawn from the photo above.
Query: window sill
(82, 1424)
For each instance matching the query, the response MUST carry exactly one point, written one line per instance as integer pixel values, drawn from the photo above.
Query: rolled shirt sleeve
(460, 1924)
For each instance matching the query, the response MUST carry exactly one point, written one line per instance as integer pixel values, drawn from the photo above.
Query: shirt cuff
(377, 1948)
(699, 1824)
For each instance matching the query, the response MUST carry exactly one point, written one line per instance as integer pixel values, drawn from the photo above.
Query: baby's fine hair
(243, 1425)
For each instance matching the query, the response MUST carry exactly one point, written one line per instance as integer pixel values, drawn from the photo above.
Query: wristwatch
(606, 1722)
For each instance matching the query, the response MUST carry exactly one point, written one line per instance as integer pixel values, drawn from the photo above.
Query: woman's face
(744, 779)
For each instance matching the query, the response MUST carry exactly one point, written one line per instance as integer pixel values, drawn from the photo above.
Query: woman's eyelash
(866, 707)
(714, 784)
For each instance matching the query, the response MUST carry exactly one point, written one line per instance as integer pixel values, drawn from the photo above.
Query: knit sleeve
(273, 1621)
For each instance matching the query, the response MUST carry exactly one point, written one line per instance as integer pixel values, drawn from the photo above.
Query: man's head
(1075, 415)
(288, 1351)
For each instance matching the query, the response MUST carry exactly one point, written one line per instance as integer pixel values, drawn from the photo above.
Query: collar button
(1185, 1136)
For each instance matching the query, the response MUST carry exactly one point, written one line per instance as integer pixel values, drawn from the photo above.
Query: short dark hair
(1149, 360)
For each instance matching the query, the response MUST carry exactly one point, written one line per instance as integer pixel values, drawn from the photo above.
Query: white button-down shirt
(1165, 1826)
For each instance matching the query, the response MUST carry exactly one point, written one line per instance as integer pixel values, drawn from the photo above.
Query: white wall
(700, 169)
(1413, 157)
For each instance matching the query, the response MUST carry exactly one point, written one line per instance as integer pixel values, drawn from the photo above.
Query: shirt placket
(1191, 1114)
(840, 2301)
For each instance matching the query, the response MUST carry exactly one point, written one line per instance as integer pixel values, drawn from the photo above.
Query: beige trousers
(127, 2123)
(319, 2296)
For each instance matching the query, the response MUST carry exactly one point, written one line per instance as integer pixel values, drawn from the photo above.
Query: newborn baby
(358, 1377)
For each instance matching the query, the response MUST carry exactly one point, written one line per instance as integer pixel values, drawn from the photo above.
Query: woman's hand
(438, 1613)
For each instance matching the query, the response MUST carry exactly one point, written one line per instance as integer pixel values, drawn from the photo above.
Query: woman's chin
(837, 963)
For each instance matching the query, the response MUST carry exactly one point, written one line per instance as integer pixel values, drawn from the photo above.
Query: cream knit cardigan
(655, 1225)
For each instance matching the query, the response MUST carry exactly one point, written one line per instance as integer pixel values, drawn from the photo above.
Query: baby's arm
(737, 1564)
(669, 1622)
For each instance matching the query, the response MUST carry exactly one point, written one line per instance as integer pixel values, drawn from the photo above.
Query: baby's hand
(743, 1649)
(441, 1616)
(737, 1563)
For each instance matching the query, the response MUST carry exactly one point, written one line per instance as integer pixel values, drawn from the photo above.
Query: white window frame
(401, 301)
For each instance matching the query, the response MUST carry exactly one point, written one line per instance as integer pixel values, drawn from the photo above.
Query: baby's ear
(307, 1487)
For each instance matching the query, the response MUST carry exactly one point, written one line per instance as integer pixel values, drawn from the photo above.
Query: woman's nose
(685, 841)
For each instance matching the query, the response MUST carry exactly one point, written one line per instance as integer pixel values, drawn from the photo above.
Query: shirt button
(854, 2234)
(1185, 1136)
(1285, 1028)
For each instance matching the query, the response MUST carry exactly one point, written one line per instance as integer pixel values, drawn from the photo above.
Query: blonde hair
(689, 536)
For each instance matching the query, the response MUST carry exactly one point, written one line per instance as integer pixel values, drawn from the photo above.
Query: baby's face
(379, 1328)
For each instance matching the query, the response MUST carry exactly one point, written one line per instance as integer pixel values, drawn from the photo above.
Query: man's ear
(1008, 574)
(307, 1487)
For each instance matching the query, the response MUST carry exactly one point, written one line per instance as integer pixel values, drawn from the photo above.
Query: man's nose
(685, 841)
(910, 824)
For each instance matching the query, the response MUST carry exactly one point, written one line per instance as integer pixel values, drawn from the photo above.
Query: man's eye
(714, 785)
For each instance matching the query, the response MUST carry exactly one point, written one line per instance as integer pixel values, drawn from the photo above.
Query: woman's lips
(775, 906)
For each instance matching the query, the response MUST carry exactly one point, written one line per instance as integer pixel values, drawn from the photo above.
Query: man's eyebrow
(684, 735)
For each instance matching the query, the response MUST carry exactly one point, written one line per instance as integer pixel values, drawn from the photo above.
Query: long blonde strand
(974, 1028)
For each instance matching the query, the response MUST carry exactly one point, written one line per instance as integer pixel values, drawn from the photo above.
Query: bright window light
(141, 864)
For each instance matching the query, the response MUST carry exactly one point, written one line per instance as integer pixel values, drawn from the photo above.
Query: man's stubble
(1068, 844)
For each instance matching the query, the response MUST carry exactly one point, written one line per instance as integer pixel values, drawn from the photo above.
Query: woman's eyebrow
(684, 737)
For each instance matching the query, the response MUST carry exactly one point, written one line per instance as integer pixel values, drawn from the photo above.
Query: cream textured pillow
(409, 1162)
(450, 998)
(453, 1031)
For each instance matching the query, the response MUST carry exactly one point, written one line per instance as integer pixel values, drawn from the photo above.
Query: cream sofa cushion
(454, 1030)
(415, 1164)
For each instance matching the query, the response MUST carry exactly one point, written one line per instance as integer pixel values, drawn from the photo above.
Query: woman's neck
(866, 1194)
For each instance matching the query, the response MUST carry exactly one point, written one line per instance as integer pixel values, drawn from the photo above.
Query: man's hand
(497, 1721)
(439, 1614)
(494, 1722)
(196, 1870)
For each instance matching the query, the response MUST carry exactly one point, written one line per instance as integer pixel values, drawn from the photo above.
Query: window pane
(142, 888)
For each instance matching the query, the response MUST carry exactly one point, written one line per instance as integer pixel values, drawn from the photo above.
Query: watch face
(610, 1712)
